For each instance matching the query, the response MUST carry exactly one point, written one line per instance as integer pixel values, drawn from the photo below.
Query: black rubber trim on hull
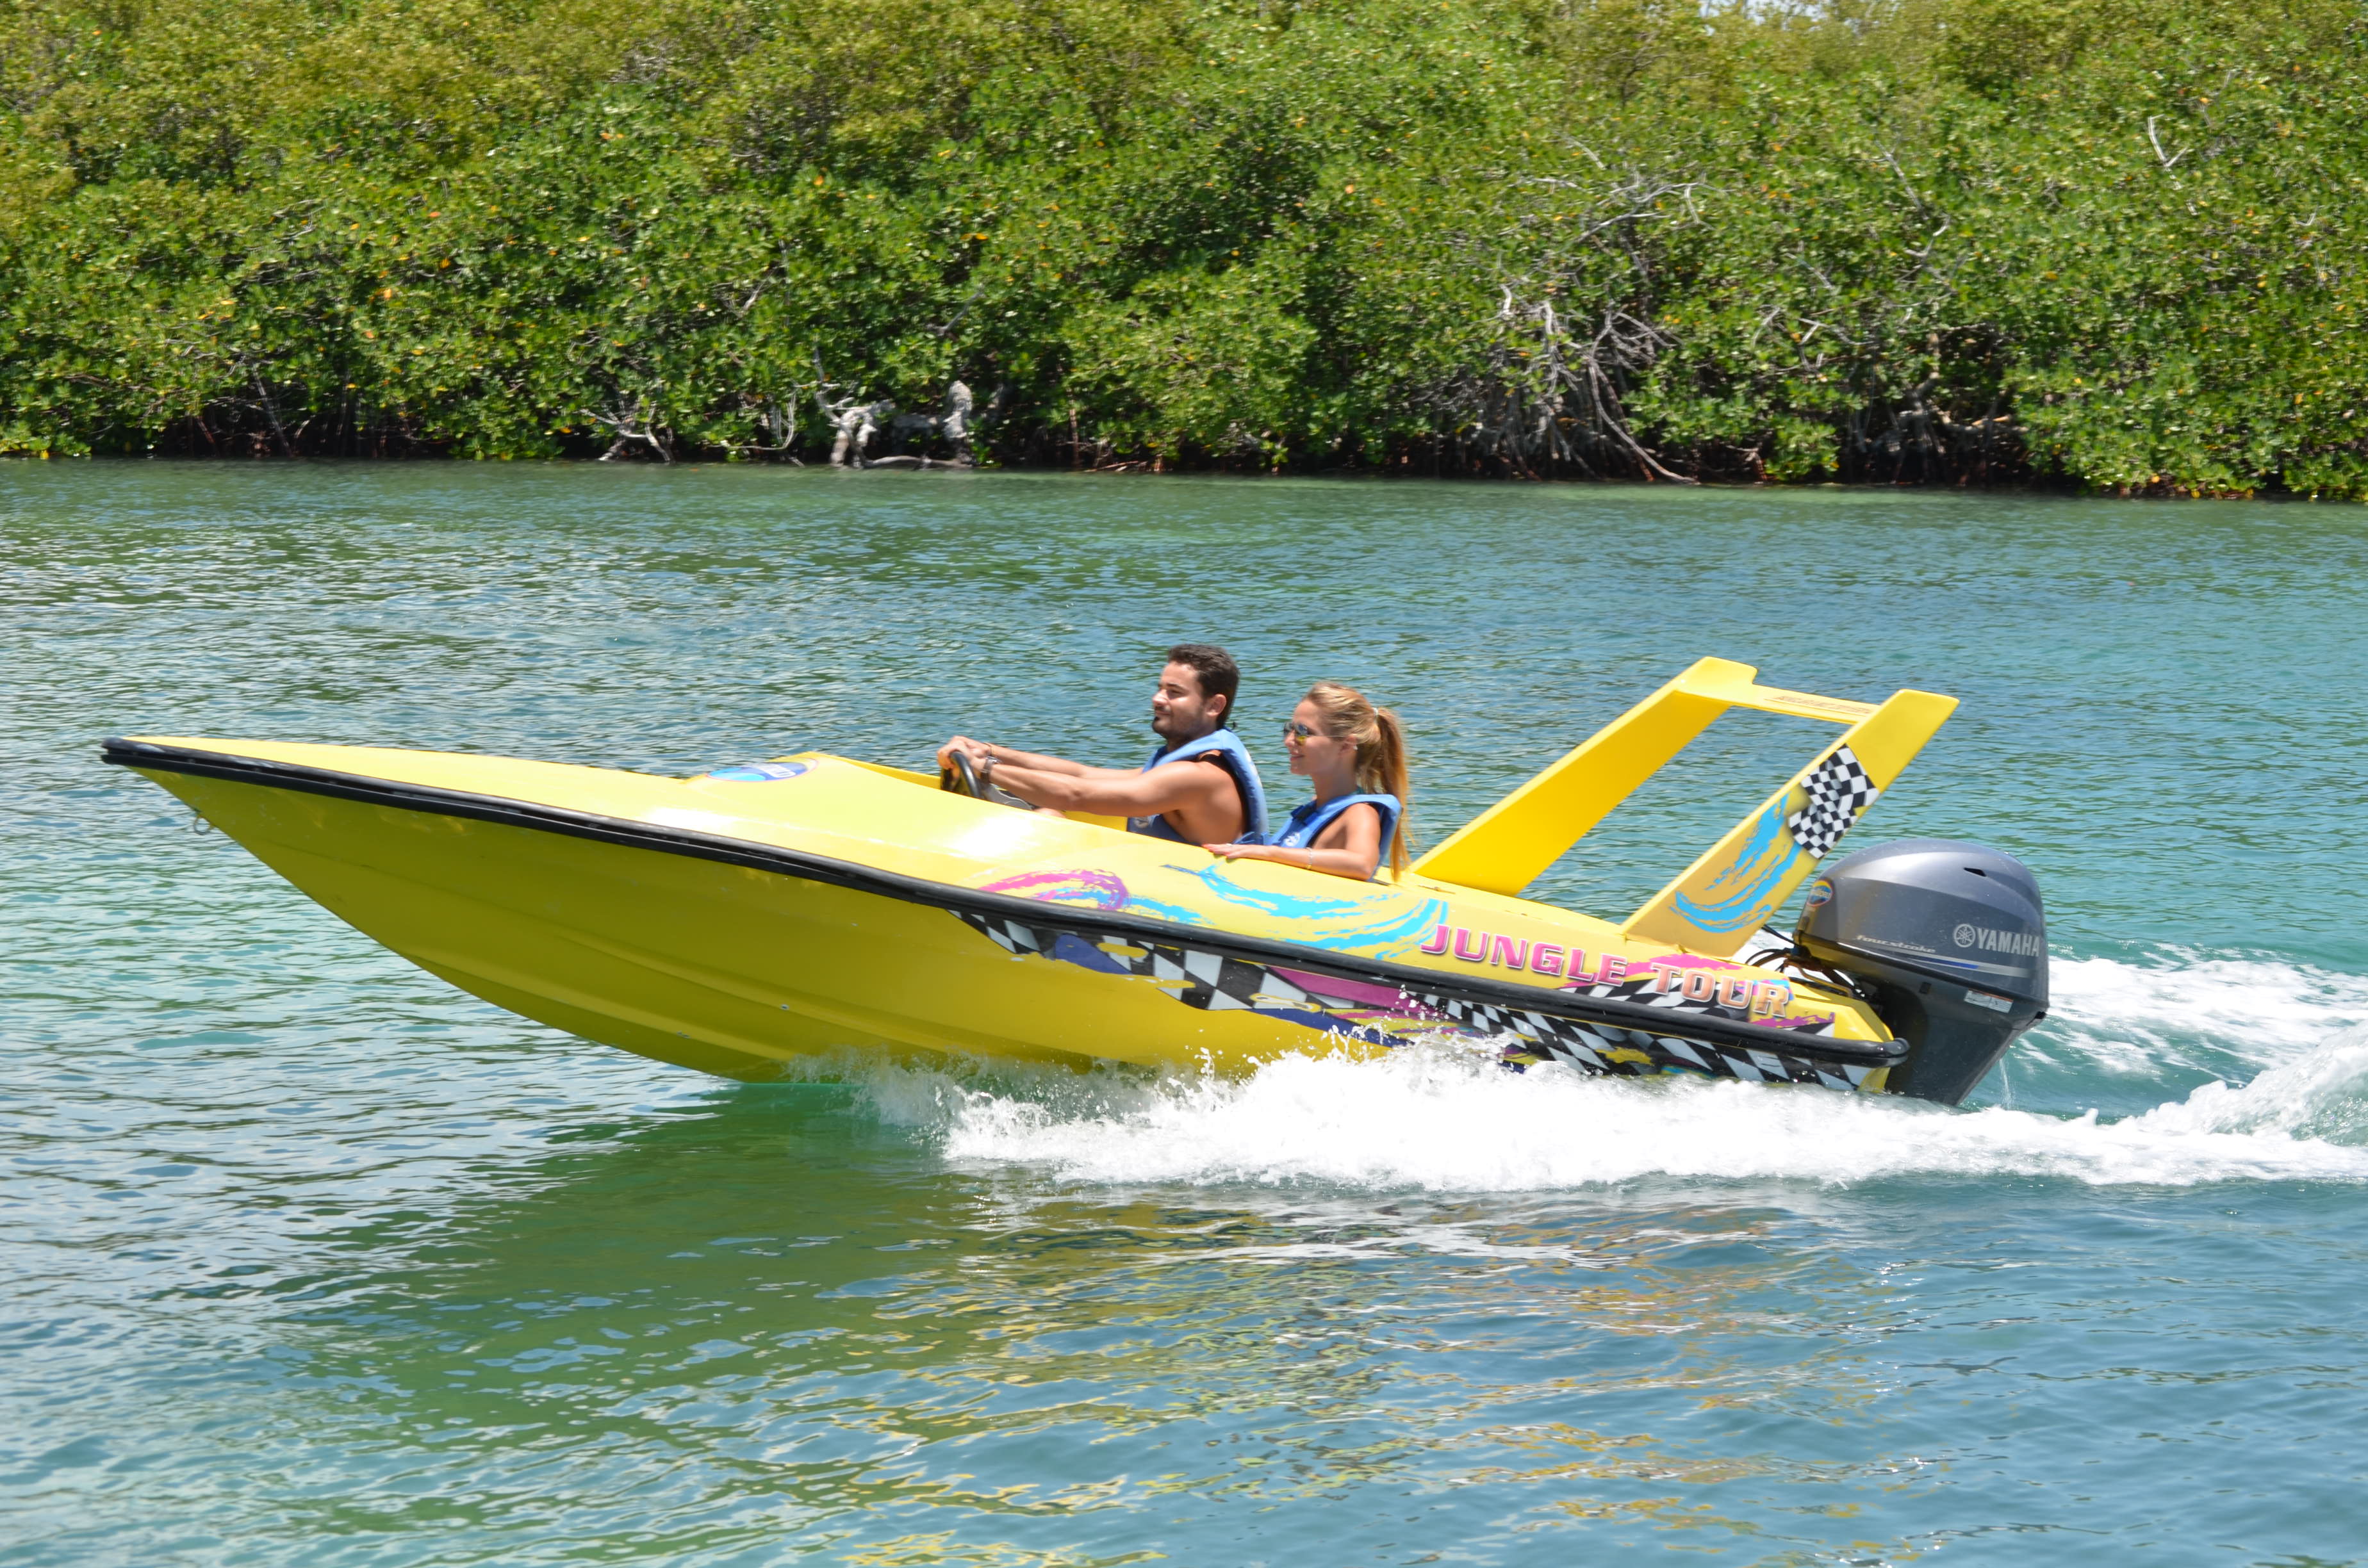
(859, 878)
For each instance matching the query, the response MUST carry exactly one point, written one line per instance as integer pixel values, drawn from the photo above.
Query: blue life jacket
(1235, 757)
(1307, 823)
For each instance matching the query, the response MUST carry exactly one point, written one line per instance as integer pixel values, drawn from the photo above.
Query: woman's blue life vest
(1307, 825)
(1232, 756)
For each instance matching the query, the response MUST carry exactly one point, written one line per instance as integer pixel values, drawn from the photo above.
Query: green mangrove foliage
(2119, 242)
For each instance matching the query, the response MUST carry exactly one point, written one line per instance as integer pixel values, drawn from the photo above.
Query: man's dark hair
(1215, 669)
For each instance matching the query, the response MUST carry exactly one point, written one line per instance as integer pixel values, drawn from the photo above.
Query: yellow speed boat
(736, 921)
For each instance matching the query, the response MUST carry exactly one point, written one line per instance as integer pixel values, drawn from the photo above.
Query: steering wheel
(961, 778)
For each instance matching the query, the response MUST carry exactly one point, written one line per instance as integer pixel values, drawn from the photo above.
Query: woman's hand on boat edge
(1331, 862)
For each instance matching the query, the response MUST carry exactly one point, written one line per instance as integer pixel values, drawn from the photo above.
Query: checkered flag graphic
(1838, 791)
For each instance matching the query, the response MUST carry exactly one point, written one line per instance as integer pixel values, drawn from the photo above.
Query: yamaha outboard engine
(1947, 940)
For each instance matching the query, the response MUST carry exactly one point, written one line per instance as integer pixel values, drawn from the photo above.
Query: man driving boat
(1200, 787)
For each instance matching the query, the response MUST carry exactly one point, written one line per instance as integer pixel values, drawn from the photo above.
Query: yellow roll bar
(1716, 904)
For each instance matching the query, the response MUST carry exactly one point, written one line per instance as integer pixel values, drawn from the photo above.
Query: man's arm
(980, 752)
(1105, 791)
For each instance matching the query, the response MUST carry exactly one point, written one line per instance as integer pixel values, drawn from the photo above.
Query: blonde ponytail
(1381, 753)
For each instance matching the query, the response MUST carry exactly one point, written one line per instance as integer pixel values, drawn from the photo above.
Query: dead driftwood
(633, 428)
(638, 430)
(858, 423)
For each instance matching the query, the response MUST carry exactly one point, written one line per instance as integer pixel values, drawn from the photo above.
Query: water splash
(1445, 1118)
(2184, 1010)
(2322, 1095)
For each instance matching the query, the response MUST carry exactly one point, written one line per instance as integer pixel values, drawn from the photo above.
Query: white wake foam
(2189, 1010)
(2322, 1095)
(1448, 1118)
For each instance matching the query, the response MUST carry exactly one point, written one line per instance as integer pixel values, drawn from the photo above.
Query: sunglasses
(1295, 730)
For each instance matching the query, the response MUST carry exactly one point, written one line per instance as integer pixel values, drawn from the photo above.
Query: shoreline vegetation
(2116, 245)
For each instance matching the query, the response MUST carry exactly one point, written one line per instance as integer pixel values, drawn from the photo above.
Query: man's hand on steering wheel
(977, 751)
(964, 767)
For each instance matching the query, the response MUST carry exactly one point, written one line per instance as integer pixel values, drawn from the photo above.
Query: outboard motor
(1947, 940)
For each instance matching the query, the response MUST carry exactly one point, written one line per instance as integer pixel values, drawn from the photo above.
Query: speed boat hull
(735, 925)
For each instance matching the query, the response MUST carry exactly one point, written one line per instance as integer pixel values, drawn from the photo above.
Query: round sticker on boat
(759, 772)
(1819, 893)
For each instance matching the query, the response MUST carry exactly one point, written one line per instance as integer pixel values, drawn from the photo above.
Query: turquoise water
(310, 1260)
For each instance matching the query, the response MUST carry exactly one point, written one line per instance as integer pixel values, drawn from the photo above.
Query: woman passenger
(1355, 755)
